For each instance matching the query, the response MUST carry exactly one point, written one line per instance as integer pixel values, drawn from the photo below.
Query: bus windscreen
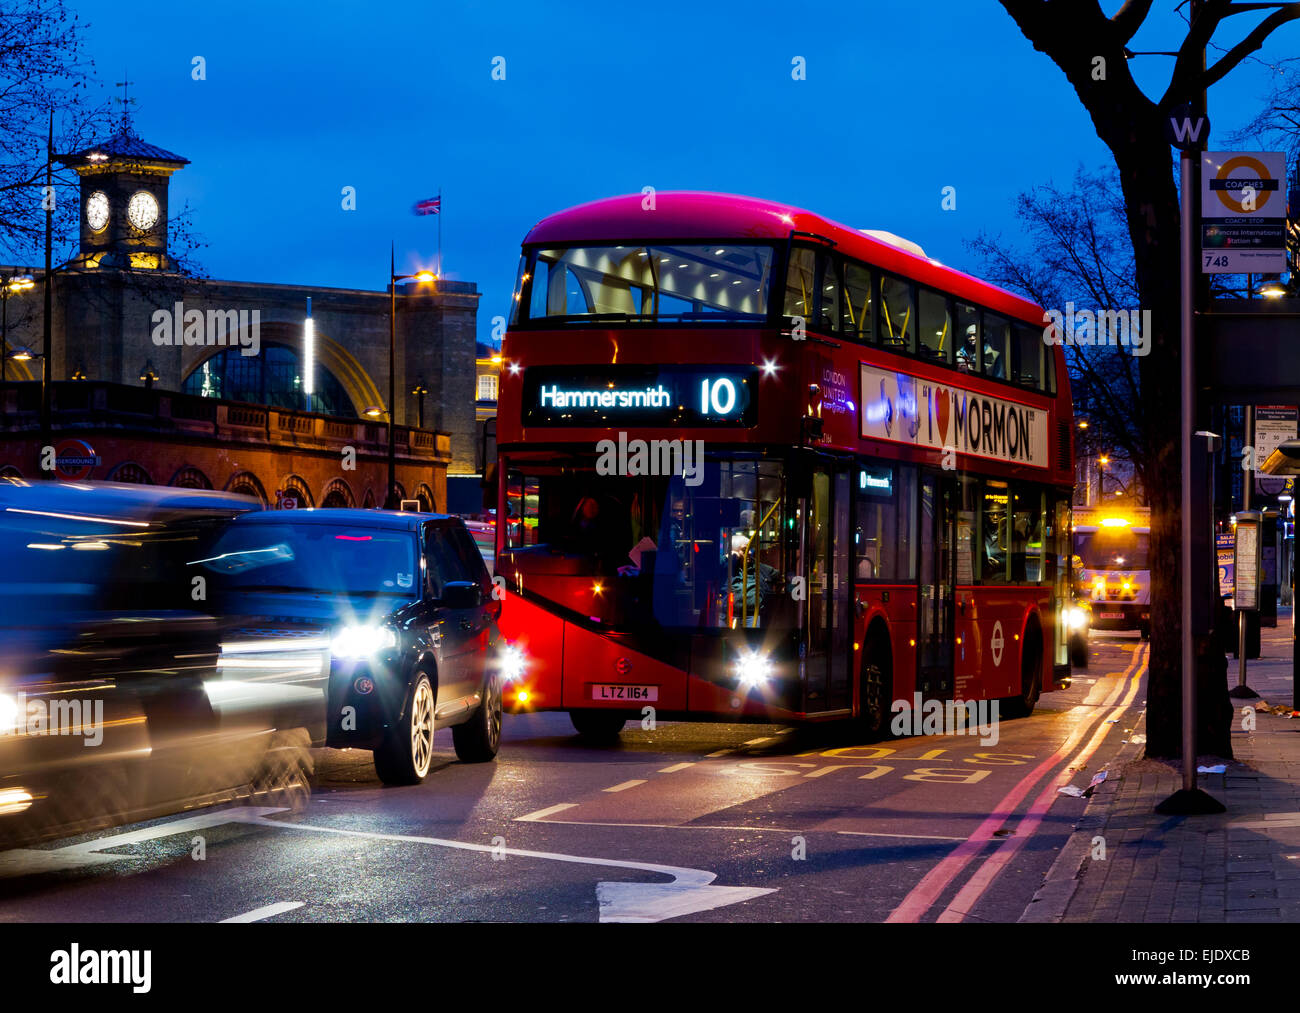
(1112, 549)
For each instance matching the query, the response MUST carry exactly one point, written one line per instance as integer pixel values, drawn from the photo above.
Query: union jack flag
(431, 206)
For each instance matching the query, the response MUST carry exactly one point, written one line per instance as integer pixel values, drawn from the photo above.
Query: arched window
(272, 378)
(132, 473)
(190, 478)
(247, 484)
(337, 494)
(425, 495)
(297, 488)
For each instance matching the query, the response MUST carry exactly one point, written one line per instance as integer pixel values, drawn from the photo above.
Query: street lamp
(147, 375)
(27, 355)
(9, 285)
(390, 500)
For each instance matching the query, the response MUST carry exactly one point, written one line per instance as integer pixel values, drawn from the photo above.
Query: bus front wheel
(875, 685)
(598, 727)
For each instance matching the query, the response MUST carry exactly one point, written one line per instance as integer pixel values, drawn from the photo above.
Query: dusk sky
(397, 100)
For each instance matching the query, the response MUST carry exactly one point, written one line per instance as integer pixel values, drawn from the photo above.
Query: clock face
(97, 211)
(142, 210)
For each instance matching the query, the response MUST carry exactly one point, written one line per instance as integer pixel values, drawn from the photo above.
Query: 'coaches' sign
(908, 409)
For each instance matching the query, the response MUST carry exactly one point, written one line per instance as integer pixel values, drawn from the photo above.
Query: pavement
(1125, 863)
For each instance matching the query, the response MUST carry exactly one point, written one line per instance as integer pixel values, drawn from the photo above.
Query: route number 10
(718, 395)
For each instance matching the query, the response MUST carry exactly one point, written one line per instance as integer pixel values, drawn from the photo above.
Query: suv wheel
(479, 738)
(405, 755)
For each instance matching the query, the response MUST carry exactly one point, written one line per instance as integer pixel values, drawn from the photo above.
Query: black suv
(388, 617)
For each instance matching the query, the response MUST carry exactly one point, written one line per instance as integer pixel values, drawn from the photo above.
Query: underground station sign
(682, 396)
(74, 459)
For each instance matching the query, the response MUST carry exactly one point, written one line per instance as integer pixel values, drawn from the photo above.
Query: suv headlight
(362, 641)
(512, 663)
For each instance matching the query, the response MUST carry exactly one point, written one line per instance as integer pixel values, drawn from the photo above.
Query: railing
(92, 404)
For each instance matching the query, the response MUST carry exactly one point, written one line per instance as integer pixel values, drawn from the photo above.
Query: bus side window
(966, 335)
(1028, 356)
(799, 284)
(934, 326)
(995, 532)
(897, 316)
(855, 318)
(996, 346)
(829, 293)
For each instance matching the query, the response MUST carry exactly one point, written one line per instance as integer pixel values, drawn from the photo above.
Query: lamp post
(147, 375)
(26, 355)
(13, 283)
(390, 498)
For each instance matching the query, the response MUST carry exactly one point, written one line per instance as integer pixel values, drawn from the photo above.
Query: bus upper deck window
(997, 346)
(897, 316)
(855, 311)
(800, 284)
(830, 293)
(1028, 355)
(934, 327)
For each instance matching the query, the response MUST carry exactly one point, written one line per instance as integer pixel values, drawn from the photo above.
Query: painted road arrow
(690, 891)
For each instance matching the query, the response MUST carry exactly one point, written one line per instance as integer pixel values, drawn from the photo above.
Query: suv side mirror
(461, 594)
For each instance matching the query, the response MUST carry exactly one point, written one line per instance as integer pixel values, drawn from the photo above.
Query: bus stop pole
(1241, 690)
(1188, 800)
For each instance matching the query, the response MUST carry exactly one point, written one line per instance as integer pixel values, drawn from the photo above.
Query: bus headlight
(512, 663)
(1076, 618)
(753, 668)
(362, 641)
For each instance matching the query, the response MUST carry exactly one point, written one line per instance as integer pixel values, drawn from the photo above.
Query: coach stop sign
(1243, 212)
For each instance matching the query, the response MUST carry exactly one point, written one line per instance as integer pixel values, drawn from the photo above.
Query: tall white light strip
(309, 355)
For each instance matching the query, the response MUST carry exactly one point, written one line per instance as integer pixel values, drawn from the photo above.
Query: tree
(1079, 252)
(1090, 48)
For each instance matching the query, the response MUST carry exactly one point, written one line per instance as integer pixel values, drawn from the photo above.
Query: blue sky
(397, 100)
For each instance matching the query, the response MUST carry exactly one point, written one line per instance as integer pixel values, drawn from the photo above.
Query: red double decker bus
(756, 465)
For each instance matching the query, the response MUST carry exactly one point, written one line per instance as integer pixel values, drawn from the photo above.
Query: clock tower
(124, 201)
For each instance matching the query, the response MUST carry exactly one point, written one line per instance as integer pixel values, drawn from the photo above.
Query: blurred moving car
(394, 611)
(111, 706)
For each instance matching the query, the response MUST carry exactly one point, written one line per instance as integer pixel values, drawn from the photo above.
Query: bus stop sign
(1186, 128)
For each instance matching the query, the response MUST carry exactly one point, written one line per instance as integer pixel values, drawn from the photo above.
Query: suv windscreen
(314, 557)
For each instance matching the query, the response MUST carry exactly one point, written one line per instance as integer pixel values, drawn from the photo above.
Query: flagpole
(440, 231)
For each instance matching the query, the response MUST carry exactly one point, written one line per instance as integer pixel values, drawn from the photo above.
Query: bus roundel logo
(623, 666)
(996, 644)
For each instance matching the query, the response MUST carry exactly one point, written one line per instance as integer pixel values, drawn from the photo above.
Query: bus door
(934, 626)
(824, 547)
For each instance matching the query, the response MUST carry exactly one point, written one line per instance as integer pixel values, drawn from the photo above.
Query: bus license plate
(1112, 615)
(616, 691)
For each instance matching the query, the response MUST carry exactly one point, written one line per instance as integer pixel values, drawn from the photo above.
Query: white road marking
(543, 813)
(676, 767)
(761, 742)
(774, 830)
(624, 786)
(910, 837)
(689, 891)
(720, 752)
(260, 913)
